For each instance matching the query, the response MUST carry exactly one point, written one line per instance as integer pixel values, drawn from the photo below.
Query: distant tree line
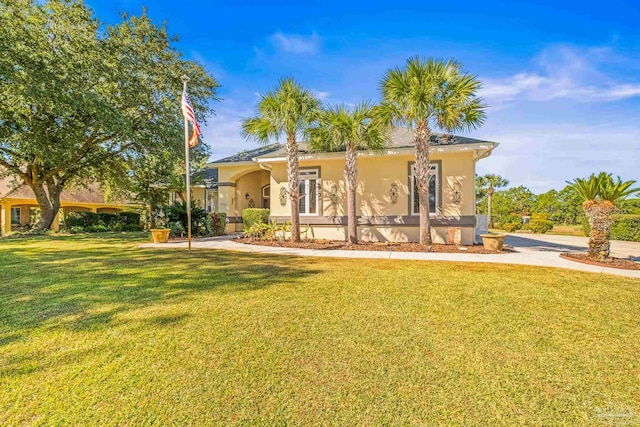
(563, 207)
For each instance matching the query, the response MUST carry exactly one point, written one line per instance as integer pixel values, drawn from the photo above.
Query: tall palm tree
(350, 129)
(601, 194)
(424, 95)
(288, 110)
(491, 182)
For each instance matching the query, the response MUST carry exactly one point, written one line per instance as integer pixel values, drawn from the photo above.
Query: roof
(211, 177)
(249, 155)
(91, 193)
(400, 138)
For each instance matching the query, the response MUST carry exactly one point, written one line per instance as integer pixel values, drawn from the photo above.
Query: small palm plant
(350, 129)
(491, 182)
(601, 194)
(425, 95)
(288, 110)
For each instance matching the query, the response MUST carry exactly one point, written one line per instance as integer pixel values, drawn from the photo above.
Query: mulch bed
(624, 264)
(369, 246)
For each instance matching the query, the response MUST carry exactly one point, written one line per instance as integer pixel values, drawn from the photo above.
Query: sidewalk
(523, 256)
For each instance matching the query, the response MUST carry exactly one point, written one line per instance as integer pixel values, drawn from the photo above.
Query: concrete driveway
(529, 250)
(552, 243)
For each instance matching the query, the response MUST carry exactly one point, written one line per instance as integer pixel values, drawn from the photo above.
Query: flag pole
(185, 79)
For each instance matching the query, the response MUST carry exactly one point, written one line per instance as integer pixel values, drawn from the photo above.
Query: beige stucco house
(387, 205)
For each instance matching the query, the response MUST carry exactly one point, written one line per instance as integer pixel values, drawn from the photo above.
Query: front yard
(94, 331)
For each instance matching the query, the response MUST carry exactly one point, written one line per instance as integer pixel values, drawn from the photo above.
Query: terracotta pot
(493, 242)
(160, 235)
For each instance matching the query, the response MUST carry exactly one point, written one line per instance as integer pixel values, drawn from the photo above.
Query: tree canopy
(83, 101)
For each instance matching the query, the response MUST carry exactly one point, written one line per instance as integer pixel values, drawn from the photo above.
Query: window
(309, 192)
(434, 185)
(15, 216)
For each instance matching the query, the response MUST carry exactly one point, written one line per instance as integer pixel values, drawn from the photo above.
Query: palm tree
(492, 182)
(341, 128)
(424, 95)
(601, 194)
(287, 110)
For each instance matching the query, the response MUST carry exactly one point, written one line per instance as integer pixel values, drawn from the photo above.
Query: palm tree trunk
(293, 176)
(599, 215)
(489, 203)
(422, 135)
(351, 174)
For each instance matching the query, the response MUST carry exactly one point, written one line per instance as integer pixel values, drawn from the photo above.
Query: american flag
(187, 112)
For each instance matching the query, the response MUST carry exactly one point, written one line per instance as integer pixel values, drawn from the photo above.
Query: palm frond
(288, 109)
(341, 126)
(433, 91)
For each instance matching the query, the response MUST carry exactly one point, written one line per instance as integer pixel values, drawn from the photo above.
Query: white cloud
(564, 72)
(543, 157)
(322, 96)
(295, 43)
(222, 132)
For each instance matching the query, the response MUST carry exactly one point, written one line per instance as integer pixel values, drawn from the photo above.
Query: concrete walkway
(528, 251)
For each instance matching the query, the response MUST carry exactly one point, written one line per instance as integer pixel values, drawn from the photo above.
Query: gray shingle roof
(249, 155)
(400, 138)
(211, 177)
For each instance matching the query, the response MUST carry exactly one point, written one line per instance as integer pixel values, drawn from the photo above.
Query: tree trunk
(293, 176)
(48, 202)
(489, 203)
(351, 175)
(599, 215)
(422, 136)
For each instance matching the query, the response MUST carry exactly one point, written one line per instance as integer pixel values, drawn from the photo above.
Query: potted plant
(493, 242)
(160, 232)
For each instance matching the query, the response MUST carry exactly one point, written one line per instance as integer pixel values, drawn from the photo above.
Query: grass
(94, 331)
(567, 230)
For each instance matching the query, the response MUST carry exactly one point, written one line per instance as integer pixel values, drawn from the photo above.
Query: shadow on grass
(83, 284)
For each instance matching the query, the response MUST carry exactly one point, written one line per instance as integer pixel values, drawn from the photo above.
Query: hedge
(254, 216)
(96, 222)
(625, 227)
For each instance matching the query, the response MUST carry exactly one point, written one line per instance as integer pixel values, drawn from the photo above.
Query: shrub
(539, 226)
(510, 227)
(81, 219)
(586, 228)
(255, 216)
(540, 216)
(512, 218)
(216, 224)
(75, 229)
(98, 228)
(177, 229)
(130, 227)
(257, 230)
(109, 220)
(132, 218)
(178, 213)
(626, 227)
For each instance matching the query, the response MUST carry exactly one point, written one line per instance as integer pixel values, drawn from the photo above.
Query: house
(19, 208)
(204, 190)
(387, 204)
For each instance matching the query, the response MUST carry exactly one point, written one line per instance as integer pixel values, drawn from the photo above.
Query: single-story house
(19, 208)
(387, 205)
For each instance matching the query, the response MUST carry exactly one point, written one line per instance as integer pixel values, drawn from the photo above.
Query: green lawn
(94, 331)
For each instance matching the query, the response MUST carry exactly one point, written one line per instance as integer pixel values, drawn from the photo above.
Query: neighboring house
(19, 208)
(387, 204)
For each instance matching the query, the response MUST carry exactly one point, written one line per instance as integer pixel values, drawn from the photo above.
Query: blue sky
(562, 78)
